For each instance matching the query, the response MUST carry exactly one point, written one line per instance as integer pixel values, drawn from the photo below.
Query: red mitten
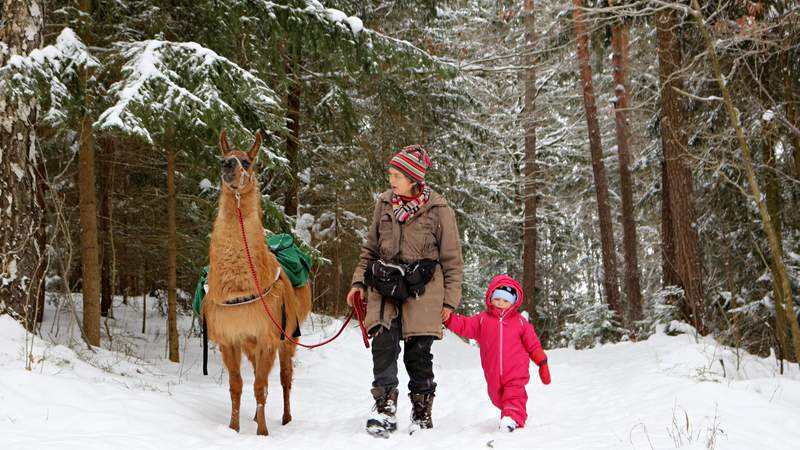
(540, 359)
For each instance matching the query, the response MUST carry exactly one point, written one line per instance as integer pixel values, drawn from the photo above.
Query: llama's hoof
(286, 419)
(262, 431)
(234, 426)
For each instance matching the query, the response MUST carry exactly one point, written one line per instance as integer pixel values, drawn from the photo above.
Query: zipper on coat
(501, 346)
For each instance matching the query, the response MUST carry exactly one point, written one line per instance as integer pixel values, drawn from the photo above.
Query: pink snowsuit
(507, 345)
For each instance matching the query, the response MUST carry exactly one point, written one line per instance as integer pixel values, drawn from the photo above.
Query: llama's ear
(253, 153)
(223, 142)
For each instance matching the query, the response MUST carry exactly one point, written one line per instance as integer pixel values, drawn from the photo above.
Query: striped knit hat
(413, 160)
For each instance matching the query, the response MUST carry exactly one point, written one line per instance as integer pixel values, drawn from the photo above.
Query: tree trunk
(20, 255)
(338, 258)
(792, 99)
(90, 259)
(780, 278)
(529, 125)
(172, 255)
(144, 300)
(293, 141)
(669, 273)
(610, 286)
(620, 38)
(774, 207)
(679, 172)
(41, 239)
(105, 236)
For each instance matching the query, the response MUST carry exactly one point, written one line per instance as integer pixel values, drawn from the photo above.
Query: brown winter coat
(431, 233)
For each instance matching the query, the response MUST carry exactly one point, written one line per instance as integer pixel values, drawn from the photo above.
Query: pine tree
(679, 173)
(529, 233)
(620, 42)
(610, 286)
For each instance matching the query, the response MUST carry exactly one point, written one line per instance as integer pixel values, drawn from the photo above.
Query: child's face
(501, 303)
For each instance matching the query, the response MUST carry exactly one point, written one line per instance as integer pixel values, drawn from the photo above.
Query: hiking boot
(421, 405)
(382, 421)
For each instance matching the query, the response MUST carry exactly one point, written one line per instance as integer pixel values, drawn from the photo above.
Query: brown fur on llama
(246, 328)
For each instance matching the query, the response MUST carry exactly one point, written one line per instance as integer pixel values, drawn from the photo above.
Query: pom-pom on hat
(506, 293)
(413, 161)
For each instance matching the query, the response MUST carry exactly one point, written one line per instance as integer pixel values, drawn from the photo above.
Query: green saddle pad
(294, 262)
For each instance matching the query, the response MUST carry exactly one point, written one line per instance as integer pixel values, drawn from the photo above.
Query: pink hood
(503, 280)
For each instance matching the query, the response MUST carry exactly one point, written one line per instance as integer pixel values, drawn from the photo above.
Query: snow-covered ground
(666, 392)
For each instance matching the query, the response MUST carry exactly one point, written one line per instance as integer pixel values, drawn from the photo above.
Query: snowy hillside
(666, 392)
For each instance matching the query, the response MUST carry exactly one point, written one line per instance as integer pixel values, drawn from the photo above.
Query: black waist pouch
(388, 279)
(418, 274)
(399, 281)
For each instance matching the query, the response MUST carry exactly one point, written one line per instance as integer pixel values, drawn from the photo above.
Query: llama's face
(237, 165)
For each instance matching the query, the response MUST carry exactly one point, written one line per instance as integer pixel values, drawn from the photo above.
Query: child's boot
(421, 405)
(382, 421)
(507, 424)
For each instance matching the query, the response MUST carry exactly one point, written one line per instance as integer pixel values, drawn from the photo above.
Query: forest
(634, 163)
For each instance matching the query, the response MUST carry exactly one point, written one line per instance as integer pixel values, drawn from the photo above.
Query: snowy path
(628, 395)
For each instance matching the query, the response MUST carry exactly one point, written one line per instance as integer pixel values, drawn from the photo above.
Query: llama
(235, 317)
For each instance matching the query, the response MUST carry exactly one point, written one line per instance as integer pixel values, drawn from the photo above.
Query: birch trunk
(21, 219)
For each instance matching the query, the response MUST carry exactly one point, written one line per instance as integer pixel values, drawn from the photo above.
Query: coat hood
(504, 280)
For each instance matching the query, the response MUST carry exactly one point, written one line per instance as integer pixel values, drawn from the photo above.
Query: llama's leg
(287, 355)
(265, 359)
(251, 357)
(232, 357)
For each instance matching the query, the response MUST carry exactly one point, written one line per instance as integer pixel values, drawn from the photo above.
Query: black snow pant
(417, 358)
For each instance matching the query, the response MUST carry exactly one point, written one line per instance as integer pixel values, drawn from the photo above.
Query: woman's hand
(351, 296)
(446, 313)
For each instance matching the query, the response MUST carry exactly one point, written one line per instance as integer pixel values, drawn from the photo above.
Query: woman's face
(400, 183)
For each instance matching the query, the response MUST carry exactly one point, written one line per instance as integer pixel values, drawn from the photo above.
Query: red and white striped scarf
(404, 210)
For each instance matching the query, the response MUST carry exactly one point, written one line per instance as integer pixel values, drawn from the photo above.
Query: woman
(411, 226)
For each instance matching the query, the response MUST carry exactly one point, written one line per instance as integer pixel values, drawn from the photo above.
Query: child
(507, 342)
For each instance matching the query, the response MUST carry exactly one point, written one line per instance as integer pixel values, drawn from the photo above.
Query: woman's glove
(540, 359)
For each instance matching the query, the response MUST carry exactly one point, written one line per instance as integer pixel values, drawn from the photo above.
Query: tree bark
(774, 207)
(41, 238)
(792, 99)
(293, 141)
(610, 285)
(780, 278)
(20, 218)
(669, 273)
(90, 267)
(105, 235)
(90, 259)
(620, 39)
(679, 172)
(529, 126)
(172, 255)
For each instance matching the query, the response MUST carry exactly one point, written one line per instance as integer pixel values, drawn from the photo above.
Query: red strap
(269, 311)
(360, 307)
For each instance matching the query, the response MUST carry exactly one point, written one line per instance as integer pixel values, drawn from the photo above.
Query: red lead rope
(359, 308)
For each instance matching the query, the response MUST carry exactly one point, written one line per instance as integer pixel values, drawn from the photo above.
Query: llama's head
(238, 165)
